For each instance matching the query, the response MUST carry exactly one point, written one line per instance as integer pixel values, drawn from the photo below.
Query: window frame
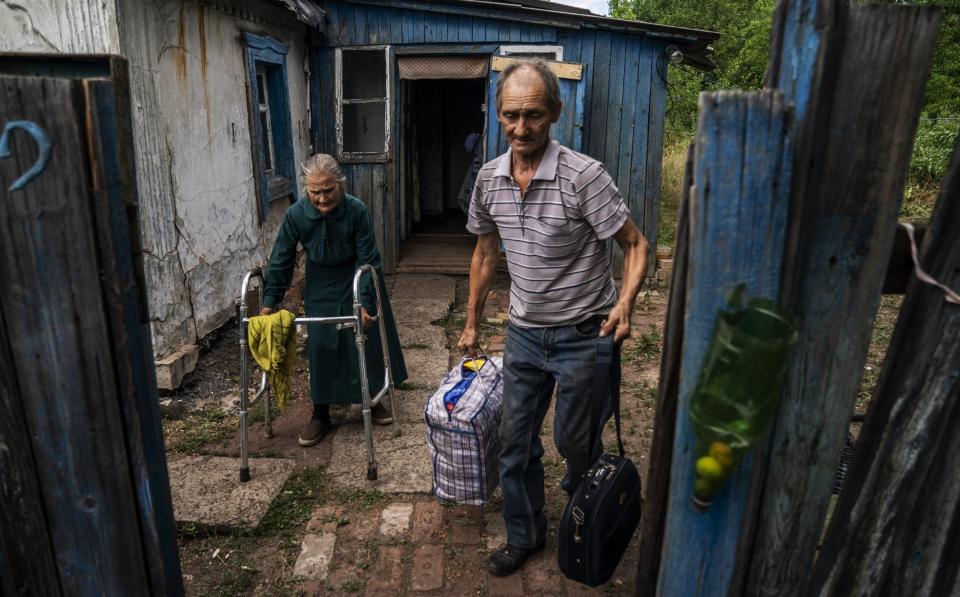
(267, 56)
(357, 157)
(517, 49)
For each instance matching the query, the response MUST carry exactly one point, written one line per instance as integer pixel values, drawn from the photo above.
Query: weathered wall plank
(738, 217)
(896, 527)
(843, 221)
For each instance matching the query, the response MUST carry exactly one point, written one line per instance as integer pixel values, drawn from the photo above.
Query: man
(553, 208)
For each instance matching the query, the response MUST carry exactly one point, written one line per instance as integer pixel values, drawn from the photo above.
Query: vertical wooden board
(466, 29)
(129, 326)
(359, 20)
(587, 40)
(407, 26)
(384, 35)
(897, 523)
(323, 71)
(479, 29)
(452, 33)
(334, 22)
(516, 31)
(493, 30)
(549, 35)
(27, 559)
(657, 106)
(54, 316)
(623, 133)
(844, 229)
(738, 212)
(657, 491)
(639, 194)
(493, 138)
(420, 25)
(431, 24)
(628, 118)
(378, 204)
(529, 34)
(396, 26)
(504, 31)
(348, 24)
(570, 41)
(615, 74)
(599, 99)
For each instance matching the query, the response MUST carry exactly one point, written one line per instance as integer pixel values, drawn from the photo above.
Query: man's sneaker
(508, 559)
(381, 415)
(314, 432)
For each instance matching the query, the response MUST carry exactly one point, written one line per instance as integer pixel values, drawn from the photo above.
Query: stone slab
(424, 286)
(420, 336)
(403, 463)
(172, 369)
(316, 553)
(427, 572)
(420, 311)
(496, 530)
(206, 490)
(426, 368)
(388, 576)
(395, 519)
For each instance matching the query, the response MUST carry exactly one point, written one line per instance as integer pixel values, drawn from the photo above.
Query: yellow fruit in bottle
(709, 468)
(722, 453)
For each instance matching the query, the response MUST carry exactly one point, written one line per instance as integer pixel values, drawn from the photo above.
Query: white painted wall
(75, 26)
(192, 138)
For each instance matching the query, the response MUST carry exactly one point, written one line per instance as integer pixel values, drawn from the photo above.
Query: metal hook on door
(43, 149)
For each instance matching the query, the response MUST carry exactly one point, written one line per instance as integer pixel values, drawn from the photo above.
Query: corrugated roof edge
(695, 43)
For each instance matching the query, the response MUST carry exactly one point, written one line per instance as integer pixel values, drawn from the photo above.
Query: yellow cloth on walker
(273, 344)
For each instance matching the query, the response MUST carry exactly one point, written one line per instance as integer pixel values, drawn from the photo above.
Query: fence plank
(124, 291)
(661, 451)
(897, 525)
(55, 320)
(738, 214)
(842, 223)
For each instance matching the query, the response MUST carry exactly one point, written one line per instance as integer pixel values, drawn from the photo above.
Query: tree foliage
(743, 50)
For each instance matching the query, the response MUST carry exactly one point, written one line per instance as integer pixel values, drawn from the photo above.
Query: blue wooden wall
(624, 94)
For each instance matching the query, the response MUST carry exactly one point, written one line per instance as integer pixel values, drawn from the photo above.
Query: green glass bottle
(738, 389)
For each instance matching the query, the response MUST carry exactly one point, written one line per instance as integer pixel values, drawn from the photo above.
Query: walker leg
(365, 399)
(244, 464)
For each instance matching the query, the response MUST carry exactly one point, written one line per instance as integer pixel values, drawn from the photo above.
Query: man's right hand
(469, 341)
(266, 311)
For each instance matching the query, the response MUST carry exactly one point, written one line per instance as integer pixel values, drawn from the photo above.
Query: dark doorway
(437, 118)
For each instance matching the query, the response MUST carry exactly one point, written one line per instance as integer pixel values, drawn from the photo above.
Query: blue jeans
(537, 360)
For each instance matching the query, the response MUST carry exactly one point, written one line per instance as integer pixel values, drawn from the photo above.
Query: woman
(336, 233)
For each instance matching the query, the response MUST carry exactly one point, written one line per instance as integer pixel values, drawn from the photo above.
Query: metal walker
(342, 322)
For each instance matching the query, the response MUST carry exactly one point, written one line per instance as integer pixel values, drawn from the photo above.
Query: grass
(197, 429)
(671, 187)
(883, 325)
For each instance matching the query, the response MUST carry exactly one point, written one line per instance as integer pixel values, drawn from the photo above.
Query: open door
(567, 131)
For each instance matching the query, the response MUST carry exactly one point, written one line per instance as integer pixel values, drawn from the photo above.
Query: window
(271, 132)
(554, 53)
(363, 104)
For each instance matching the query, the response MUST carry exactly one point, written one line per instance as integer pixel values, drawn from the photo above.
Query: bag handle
(606, 382)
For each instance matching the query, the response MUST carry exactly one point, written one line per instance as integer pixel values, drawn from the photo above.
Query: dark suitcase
(604, 511)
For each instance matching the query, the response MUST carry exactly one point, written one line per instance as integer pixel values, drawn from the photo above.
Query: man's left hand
(618, 322)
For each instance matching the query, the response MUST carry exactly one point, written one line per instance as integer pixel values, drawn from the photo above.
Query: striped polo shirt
(553, 236)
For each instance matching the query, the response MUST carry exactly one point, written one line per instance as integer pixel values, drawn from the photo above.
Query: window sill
(364, 158)
(279, 187)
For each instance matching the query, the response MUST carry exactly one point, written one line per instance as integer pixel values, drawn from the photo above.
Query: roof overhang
(307, 11)
(694, 43)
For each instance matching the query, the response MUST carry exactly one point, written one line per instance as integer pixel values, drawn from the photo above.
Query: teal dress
(336, 244)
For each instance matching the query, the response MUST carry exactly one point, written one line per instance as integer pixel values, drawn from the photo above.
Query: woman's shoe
(314, 431)
(381, 415)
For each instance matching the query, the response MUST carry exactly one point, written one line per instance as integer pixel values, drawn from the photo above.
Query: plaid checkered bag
(464, 442)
